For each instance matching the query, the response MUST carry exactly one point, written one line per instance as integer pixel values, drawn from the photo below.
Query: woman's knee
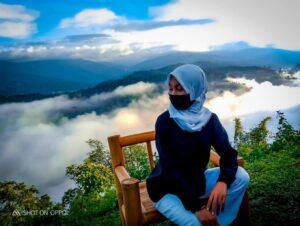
(242, 176)
(172, 208)
(168, 201)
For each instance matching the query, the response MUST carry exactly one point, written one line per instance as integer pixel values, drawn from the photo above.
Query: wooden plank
(121, 173)
(117, 158)
(214, 158)
(240, 161)
(132, 202)
(137, 138)
(116, 152)
(150, 155)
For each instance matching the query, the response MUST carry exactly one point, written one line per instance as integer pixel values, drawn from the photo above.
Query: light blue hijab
(192, 78)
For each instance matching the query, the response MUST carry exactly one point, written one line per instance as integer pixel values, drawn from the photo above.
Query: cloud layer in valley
(36, 145)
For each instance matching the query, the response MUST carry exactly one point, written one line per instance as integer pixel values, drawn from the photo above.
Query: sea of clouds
(37, 143)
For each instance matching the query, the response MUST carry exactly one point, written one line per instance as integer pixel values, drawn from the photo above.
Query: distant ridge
(48, 76)
(215, 74)
(245, 56)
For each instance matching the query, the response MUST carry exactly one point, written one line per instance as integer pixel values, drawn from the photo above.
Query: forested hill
(56, 75)
(215, 75)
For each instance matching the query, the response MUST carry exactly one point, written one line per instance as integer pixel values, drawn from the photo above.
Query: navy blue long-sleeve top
(183, 158)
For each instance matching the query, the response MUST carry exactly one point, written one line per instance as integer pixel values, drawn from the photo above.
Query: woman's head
(187, 87)
(186, 84)
(175, 88)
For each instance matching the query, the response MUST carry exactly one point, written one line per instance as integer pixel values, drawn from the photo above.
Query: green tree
(258, 135)
(238, 132)
(22, 205)
(98, 154)
(90, 176)
(94, 195)
(286, 135)
(253, 143)
(94, 174)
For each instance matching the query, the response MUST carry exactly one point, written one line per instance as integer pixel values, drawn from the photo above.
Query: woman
(184, 136)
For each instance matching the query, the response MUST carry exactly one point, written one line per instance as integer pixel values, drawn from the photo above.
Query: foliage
(274, 188)
(94, 194)
(238, 132)
(98, 154)
(137, 161)
(91, 208)
(274, 171)
(94, 174)
(90, 176)
(286, 135)
(252, 144)
(94, 201)
(22, 205)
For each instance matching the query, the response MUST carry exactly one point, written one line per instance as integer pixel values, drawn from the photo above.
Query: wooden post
(150, 155)
(116, 152)
(243, 218)
(241, 161)
(117, 158)
(132, 202)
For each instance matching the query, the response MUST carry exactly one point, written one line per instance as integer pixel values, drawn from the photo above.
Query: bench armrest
(215, 159)
(121, 173)
(132, 201)
(240, 161)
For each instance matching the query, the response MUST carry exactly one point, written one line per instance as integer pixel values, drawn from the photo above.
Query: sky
(98, 29)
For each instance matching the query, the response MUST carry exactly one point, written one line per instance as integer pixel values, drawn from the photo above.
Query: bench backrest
(117, 143)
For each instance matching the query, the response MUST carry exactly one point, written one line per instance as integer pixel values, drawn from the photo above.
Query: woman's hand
(206, 218)
(216, 201)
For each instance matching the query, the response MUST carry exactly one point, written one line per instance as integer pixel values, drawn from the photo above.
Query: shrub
(274, 172)
(137, 161)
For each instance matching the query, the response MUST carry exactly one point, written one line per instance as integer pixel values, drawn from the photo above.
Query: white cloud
(16, 21)
(257, 22)
(17, 12)
(262, 97)
(11, 29)
(107, 50)
(146, 33)
(88, 17)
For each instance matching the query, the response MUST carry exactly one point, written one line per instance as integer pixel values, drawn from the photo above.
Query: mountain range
(48, 76)
(246, 56)
(31, 80)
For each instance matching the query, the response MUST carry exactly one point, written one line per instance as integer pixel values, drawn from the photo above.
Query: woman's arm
(228, 167)
(228, 155)
(172, 175)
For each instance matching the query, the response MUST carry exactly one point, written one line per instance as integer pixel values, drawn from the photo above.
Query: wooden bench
(136, 208)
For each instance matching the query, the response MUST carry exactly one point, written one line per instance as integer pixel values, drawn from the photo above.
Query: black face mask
(181, 102)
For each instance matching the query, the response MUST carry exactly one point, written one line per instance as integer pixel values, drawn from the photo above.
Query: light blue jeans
(172, 208)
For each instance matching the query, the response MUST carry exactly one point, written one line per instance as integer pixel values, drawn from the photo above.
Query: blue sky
(52, 11)
(98, 29)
